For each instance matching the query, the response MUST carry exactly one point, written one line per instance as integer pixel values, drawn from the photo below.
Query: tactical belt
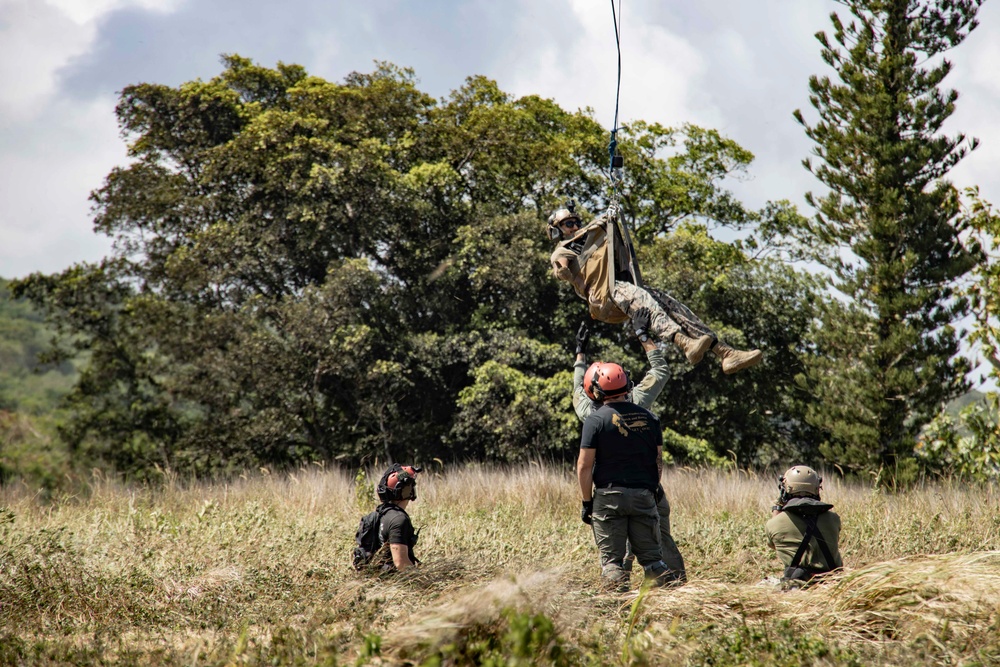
(612, 485)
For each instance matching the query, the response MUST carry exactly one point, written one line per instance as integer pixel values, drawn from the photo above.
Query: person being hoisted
(596, 262)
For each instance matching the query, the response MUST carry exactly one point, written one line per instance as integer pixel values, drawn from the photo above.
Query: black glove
(582, 338)
(640, 322)
(658, 494)
(586, 514)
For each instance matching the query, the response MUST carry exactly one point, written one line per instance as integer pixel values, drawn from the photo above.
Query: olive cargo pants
(671, 554)
(623, 515)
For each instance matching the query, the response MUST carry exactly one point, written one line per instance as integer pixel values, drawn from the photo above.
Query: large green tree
(306, 270)
(888, 228)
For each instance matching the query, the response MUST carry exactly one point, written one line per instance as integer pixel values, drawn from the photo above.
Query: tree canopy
(307, 270)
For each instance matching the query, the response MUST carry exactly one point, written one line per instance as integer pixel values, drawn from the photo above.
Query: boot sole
(752, 359)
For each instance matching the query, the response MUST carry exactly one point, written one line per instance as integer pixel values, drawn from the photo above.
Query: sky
(736, 66)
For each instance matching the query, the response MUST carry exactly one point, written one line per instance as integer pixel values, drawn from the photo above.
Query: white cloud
(86, 11)
(57, 161)
(35, 41)
(577, 65)
(38, 38)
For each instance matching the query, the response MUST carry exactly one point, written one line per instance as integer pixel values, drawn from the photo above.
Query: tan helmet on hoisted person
(562, 216)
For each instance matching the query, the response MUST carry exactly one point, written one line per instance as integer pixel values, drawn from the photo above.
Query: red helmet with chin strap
(605, 380)
(399, 483)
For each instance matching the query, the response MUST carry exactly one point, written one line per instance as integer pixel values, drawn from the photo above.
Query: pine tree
(888, 229)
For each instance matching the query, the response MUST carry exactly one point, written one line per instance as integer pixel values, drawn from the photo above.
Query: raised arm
(582, 405)
(646, 392)
(648, 389)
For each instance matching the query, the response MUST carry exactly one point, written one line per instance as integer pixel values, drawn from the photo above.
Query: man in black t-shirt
(621, 454)
(396, 534)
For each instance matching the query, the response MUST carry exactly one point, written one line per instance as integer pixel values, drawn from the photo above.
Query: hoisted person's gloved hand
(641, 321)
(587, 512)
(582, 338)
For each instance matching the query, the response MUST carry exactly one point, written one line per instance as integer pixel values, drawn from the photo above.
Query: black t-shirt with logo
(626, 438)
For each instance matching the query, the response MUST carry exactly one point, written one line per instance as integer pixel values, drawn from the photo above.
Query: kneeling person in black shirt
(621, 454)
(397, 488)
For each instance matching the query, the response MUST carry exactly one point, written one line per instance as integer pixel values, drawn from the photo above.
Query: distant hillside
(25, 384)
(960, 403)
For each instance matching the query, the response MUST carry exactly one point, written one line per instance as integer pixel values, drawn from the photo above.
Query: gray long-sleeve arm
(644, 394)
(648, 390)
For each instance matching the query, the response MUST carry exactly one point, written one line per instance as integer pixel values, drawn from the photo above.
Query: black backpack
(367, 537)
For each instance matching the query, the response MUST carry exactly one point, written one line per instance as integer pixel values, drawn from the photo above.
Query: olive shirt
(785, 531)
(643, 394)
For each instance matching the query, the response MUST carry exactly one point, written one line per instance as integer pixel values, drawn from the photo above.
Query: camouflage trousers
(624, 516)
(668, 314)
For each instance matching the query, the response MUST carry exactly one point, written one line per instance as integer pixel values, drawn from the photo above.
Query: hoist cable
(615, 177)
(613, 145)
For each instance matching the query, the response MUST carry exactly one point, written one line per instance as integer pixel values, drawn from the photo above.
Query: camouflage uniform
(612, 300)
(668, 315)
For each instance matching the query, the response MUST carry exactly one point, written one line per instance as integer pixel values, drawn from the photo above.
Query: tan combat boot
(693, 348)
(734, 360)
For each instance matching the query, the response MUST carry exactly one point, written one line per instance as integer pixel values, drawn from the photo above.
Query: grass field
(255, 572)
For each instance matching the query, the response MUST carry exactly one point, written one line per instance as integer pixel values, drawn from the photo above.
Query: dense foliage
(27, 383)
(307, 270)
(889, 229)
(31, 390)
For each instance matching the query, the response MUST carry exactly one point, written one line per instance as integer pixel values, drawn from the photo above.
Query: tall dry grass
(255, 571)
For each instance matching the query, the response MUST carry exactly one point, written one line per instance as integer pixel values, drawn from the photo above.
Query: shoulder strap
(581, 234)
(812, 530)
(621, 232)
(824, 547)
(384, 508)
(804, 544)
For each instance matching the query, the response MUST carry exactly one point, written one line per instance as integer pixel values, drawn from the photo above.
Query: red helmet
(400, 483)
(605, 380)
